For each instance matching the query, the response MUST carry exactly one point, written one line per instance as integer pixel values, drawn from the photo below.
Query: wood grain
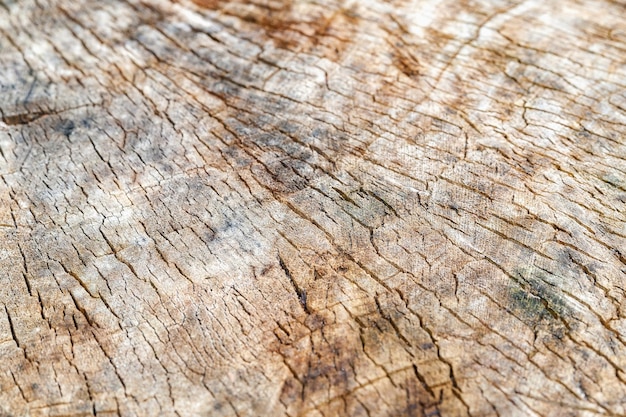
(312, 208)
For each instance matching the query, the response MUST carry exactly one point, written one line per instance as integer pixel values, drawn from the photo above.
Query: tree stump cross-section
(312, 208)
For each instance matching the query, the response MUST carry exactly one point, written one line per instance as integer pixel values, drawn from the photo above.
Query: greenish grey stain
(534, 301)
(612, 179)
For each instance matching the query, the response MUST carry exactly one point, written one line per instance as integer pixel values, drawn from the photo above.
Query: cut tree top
(330, 208)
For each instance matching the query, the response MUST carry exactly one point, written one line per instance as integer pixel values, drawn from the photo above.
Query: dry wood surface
(312, 208)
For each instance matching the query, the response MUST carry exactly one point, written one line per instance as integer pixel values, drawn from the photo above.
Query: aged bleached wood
(294, 208)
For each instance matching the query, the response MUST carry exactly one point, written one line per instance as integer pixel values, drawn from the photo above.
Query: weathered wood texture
(329, 208)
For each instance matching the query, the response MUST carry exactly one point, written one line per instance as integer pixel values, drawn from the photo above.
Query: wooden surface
(312, 208)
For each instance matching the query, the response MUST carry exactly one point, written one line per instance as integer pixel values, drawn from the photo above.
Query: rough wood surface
(312, 208)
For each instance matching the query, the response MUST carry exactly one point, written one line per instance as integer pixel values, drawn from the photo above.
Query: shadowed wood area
(312, 208)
